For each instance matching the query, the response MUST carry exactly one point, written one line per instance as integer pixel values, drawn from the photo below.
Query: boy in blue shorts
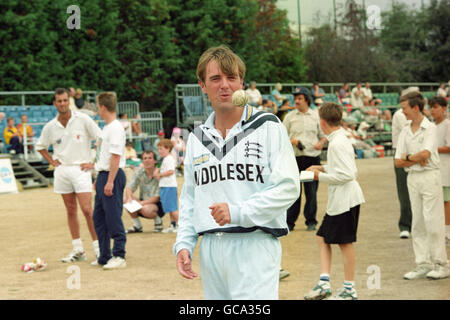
(168, 183)
(340, 223)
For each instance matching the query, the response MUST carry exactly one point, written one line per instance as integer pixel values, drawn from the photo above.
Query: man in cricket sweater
(240, 178)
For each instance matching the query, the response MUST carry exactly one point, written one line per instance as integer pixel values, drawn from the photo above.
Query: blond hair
(331, 113)
(108, 100)
(166, 143)
(227, 60)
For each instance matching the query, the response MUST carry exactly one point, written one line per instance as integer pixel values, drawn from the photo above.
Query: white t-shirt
(168, 163)
(111, 141)
(72, 143)
(443, 137)
(254, 95)
(357, 101)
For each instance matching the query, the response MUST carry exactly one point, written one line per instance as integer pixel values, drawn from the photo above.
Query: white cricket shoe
(419, 272)
(75, 255)
(115, 263)
(405, 234)
(170, 229)
(439, 272)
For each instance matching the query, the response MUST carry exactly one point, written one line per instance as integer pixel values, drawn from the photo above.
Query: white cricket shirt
(425, 138)
(399, 121)
(111, 141)
(71, 144)
(340, 173)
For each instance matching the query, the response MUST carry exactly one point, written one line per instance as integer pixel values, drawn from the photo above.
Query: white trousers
(240, 266)
(428, 219)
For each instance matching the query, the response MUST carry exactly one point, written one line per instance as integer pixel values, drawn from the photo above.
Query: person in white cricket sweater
(240, 178)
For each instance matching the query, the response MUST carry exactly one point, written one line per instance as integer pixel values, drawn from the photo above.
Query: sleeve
(401, 147)
(187, 237)
(44, 140)
(134, 182)
(343, 167)
(117, 142)
(281, 189)
(92, 129)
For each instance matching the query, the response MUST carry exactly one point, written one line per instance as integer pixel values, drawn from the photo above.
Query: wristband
(407, 157)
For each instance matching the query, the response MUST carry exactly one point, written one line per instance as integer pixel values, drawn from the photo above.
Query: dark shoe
(134, 229)
(311, 227)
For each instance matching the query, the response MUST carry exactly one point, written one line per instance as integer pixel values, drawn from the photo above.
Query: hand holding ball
(239, 98)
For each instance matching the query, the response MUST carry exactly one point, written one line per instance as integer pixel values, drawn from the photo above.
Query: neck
(226, 119)
(417, 120)
(109, 117)
(330, 130)
(439, 119)
(149, 171)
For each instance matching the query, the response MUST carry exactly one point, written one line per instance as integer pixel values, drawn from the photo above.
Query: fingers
(221, 213)
(184, 265)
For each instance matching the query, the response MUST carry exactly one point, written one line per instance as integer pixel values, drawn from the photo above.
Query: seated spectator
(364, 136)
(268, 106)
(136, 128)
(318, 94)
(123, 118)
(357, 96)
(130, 153)
(79, 101)
(276, 93)
(441, 92)
(24, 128)
(12, 137)
(254, 96)
(344, 94)
(72, 104)
(148, 194)
(353, 136)
(368, 97)
(284, 109)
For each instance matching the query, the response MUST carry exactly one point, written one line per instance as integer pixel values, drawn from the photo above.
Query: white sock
(137, 223)
(77, 244)
(96, 248)
(349, 285)
(324, 279)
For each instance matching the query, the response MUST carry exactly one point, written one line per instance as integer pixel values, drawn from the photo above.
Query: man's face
(367, 85)
(24, 119)
(407, 110)
(300, 101)
(61, 103)
(437, 112)
(10, 123)
(148, 160)
(220, 87)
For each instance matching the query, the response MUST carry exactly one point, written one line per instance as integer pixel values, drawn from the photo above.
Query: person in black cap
(307, 139)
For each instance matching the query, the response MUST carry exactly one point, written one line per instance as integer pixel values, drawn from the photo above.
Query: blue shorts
(169, 196)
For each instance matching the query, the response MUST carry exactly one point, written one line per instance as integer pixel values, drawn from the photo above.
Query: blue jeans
(108, 217)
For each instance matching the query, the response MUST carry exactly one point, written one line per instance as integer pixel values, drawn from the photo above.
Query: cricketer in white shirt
(253, 170)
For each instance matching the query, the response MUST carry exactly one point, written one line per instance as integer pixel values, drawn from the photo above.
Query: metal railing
(88, 94)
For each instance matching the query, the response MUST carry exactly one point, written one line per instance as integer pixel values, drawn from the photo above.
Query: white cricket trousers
(428, 220)
(240, 266)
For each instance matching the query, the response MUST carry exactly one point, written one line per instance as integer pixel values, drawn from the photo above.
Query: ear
(202, 86)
